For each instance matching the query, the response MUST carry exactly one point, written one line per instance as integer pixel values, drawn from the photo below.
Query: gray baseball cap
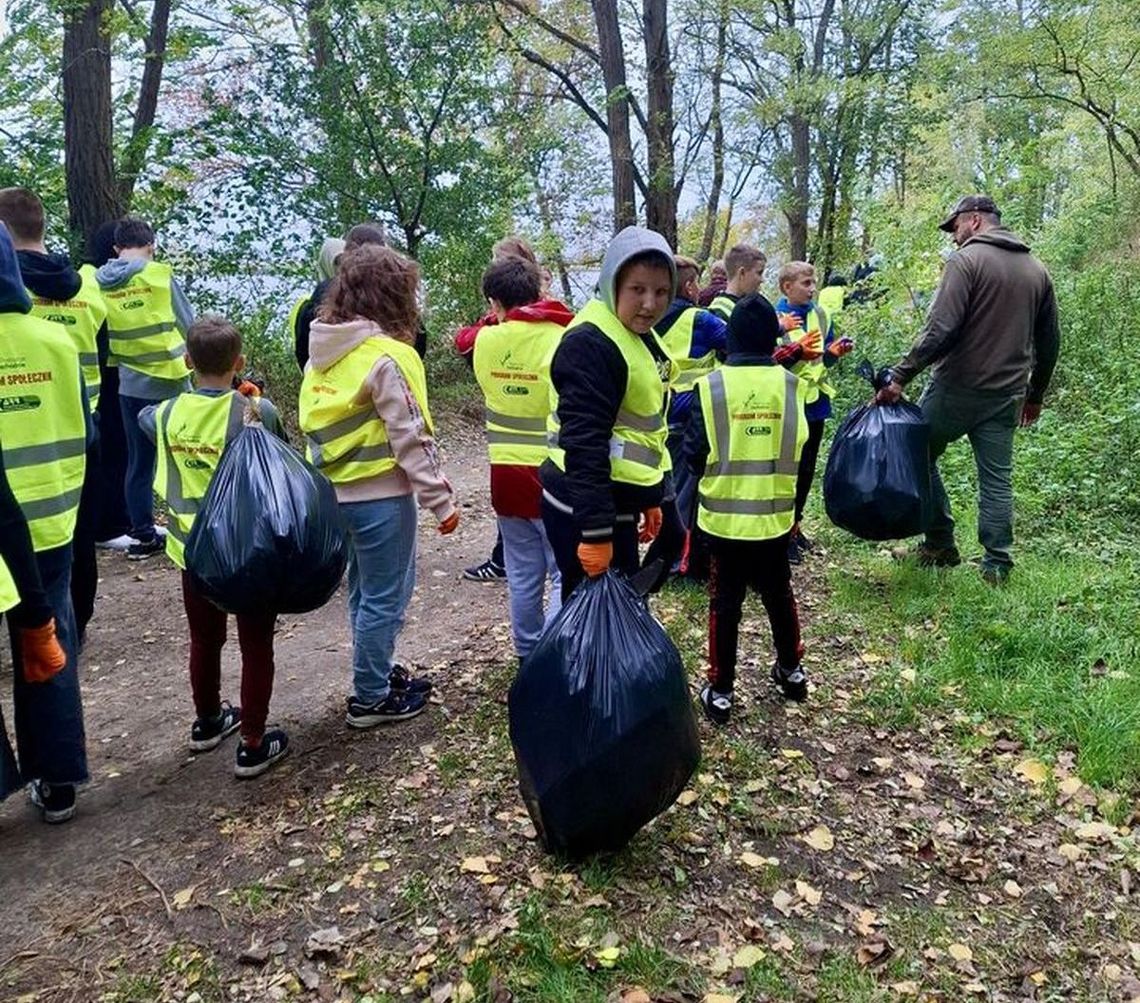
(969, 203)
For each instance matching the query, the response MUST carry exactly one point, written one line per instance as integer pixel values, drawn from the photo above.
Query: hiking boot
(207, 733)
(937, 557)
(56, 802)
(252, 761)
(488, 571)
(717, 706)
(140, 550)
(995, 574)
(792, 682)
(396, 706)
(403, 681)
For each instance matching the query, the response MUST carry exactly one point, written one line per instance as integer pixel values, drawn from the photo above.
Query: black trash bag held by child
(877, 481)
(601, 721)
(268, 537)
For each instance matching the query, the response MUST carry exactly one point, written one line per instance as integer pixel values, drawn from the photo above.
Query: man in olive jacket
(991, 340)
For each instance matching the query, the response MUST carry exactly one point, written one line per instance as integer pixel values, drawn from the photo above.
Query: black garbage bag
(268, 537)
(877, 481)
(601, 721)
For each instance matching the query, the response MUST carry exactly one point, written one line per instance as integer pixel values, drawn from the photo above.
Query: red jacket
(549, 310)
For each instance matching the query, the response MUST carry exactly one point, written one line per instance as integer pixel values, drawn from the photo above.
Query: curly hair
(377, 284)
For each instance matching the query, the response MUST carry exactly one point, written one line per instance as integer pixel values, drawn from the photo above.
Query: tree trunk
(617, 111)
(712, 204)
(92, 197)
(796, 209)
(134, 158)
(661, 198)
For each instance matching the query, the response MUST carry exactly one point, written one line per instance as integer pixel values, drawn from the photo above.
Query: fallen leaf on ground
(874, 951)
(914, 781)
(636, 995)
(1012, 889)
(747, 956)
(1032, 771)
(960, 952)
(475, 865)
(907, 988)
(810, 895)
(783, 902)
(750, 859)
(182, 897)
(686, 798)
(820, 838)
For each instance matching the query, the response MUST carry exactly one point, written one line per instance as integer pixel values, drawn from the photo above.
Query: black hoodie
(49, 276)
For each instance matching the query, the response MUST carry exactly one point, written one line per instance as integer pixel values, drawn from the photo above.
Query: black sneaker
(56, 802)
(207, 733)
(937, 557)
(254, 761)
(792, 682)
(488, 571)
(403, 681)
(140, 550)
(795, 551)
(995, 574)
(805, 542)
(397, 706)
(717, 706)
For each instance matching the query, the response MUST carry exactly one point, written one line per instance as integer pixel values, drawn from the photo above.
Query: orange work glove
(840, 347)
(812, 344)
(651, 520)
(448, 525)
(595, 558)
(790, 322)
(247, 388)
(40, 653)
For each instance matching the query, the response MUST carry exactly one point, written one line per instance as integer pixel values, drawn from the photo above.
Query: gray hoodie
(993, 324)
(132, 383)
(631, 241)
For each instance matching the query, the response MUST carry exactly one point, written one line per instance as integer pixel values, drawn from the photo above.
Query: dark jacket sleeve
(696, 439)
(305, 317)
(943, 323)
(1046, 346)
(589, 375)
(16, 549)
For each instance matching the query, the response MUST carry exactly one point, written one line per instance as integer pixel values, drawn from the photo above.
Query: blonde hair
(687, 269)
(794, 270)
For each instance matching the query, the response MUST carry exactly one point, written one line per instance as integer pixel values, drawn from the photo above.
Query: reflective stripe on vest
(141, 324)
(812, 372)
(678, 342)
(346, 440)
(755, 425)
(191, 433)
(42, 425)
(511, 360)
(723, 305)
(9, 595)
(81, 316)
(637, 443)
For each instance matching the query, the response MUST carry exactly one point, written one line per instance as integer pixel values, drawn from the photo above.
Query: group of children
(640, 419)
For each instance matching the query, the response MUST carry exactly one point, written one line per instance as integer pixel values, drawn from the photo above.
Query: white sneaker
(116, 543)
(160, 532)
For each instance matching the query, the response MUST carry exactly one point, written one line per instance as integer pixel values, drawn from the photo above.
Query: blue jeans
(529, 563)
(138, 483)
(381, 576)
(49, 716)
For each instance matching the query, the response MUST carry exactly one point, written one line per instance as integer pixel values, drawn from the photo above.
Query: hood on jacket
(630, 242)
(549, 311)
(999, 236)
(117, 272)
(753, 328)
(331, 249)
(101, 244)
(329, 343)
(49, 275)
(13, 295)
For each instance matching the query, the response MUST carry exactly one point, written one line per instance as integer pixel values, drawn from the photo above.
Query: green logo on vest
(193, 463)
(516, 390)
(27, 403)
(60, 318)
(506, 363)
(758, 430)
(133, 305)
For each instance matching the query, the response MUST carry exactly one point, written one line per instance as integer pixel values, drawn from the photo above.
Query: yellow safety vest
(678, 342)
(831, 299)
(191, 433)
(141, 324)
(512, 366)
(345, 438)
(756, 429)
(81, 316)
(813, 372)
(723, 305)
(88, 272)
(42, 425)
(637, 443)
(9, 596)
(294, 313)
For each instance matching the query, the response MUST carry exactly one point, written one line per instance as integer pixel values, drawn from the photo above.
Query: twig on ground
(154, 884)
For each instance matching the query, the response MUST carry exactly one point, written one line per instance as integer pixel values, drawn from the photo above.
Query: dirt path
(828, 851)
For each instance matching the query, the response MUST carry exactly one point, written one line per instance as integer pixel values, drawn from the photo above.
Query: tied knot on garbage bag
(601, 721)
(877, 481)
(268, 537)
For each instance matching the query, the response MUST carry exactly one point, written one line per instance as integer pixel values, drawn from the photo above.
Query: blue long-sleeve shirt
(710, 334)
(820, 408)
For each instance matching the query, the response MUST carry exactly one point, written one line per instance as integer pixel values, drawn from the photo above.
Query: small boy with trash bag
(191, 431)
(746, 434)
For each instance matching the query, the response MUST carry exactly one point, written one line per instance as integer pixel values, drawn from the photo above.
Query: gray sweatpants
(989, 420)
